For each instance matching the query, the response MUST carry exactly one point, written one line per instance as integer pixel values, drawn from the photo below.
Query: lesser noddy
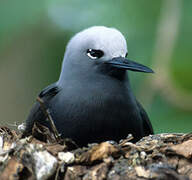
(92, 101)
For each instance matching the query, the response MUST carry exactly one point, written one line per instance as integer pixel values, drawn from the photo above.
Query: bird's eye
(126, 54)
(94, 54)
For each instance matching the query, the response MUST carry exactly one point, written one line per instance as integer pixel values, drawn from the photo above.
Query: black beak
(126, 64)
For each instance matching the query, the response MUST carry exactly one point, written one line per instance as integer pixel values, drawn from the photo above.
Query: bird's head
(100, 45)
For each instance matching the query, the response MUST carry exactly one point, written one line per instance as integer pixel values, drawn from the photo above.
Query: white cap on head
(109, 40)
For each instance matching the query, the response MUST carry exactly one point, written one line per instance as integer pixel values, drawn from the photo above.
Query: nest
(43, 156)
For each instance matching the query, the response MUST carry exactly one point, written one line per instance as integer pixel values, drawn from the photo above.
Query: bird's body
(92, 101)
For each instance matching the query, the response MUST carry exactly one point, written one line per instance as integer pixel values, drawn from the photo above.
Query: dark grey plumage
(93, 101)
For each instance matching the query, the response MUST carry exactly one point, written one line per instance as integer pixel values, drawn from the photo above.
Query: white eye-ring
(94, 54)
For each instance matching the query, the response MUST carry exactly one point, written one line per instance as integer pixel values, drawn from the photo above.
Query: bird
(92, 101)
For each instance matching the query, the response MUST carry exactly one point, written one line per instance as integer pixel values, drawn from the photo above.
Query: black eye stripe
(94, 53)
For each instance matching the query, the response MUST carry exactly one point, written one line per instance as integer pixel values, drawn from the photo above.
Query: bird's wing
(36, 113)
(50, 91)
(148, 129)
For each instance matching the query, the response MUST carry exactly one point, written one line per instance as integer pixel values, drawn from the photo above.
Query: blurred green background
(33, 36)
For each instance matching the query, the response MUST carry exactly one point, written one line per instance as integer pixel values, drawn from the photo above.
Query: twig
(48, 115)
(61, 168)
(129, 138)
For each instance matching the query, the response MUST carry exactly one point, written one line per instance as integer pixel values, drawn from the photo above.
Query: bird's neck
(99, 82)
(89, 75)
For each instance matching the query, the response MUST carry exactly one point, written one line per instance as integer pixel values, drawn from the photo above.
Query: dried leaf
(75, 172)
(12, 170)
(54, 149)
(142, 172)
(183, 149)
(66, 157)
(43, 133)
(99, 152)
(98, 172)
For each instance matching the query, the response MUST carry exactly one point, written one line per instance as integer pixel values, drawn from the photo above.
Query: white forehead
(110, 40)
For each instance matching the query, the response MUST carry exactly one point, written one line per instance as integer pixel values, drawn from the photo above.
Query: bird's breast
(105, 112)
